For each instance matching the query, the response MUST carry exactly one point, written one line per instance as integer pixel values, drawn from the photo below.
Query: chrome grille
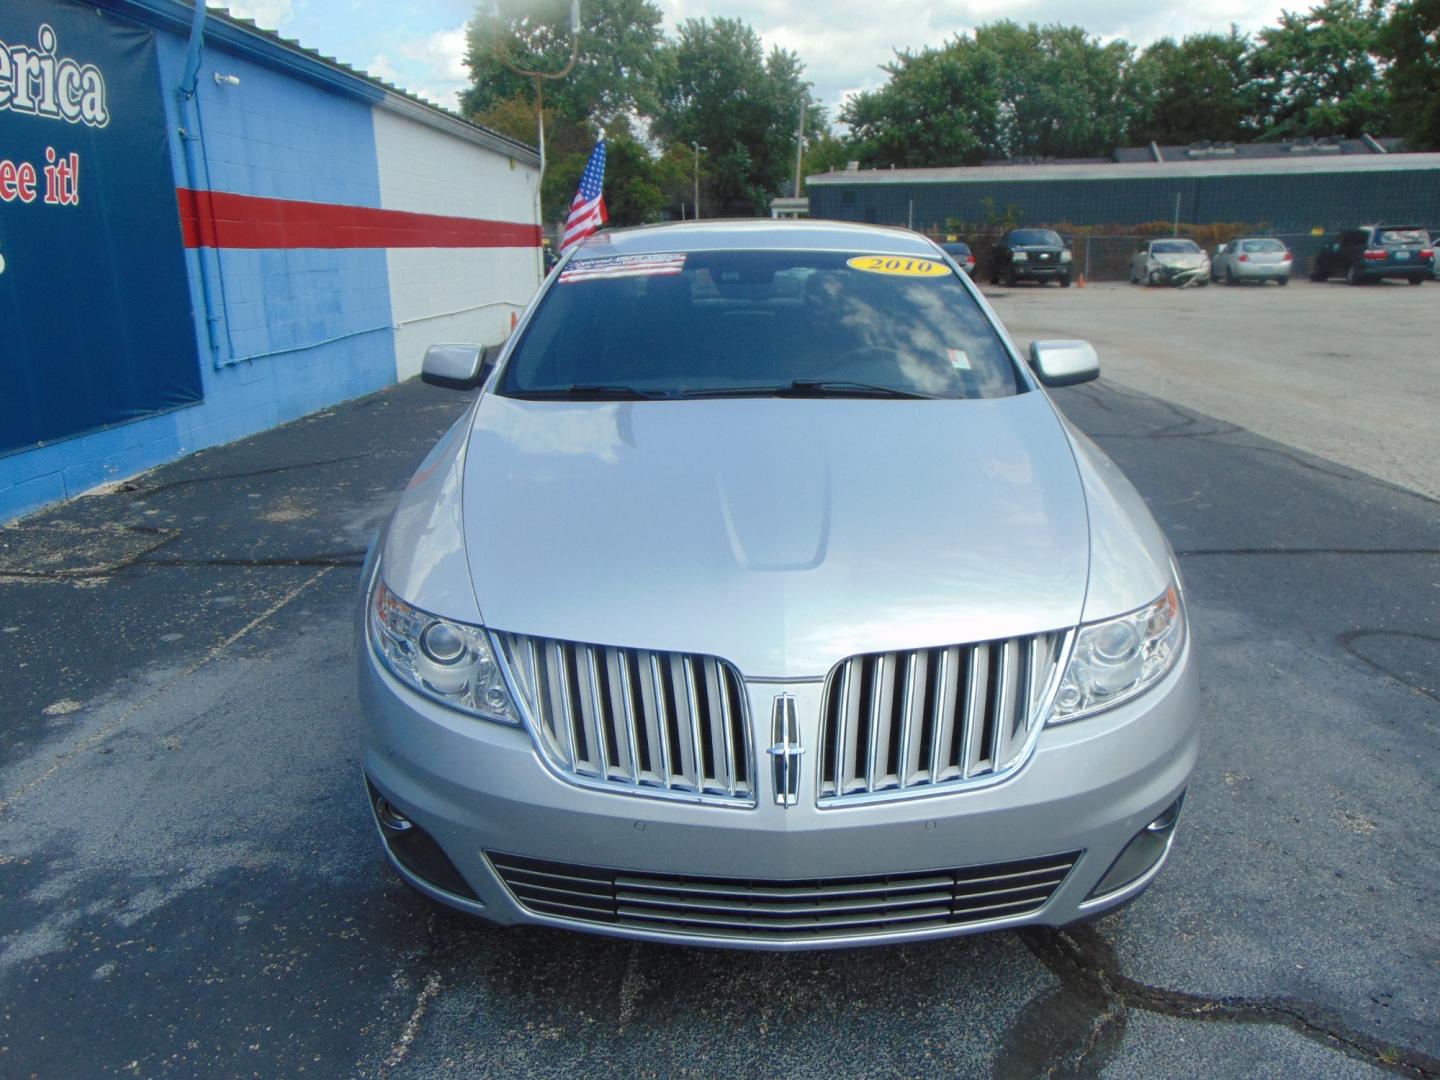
(905, 723)
(658, 723)
(782, 910)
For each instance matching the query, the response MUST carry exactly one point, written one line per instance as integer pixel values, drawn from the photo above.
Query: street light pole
(698, 151)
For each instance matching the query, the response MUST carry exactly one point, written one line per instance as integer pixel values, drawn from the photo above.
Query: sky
(420, 44)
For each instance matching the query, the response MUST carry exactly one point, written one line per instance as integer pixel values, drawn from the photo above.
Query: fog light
(390, 818)
(1140, 855)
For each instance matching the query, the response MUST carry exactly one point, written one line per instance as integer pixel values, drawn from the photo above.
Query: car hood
(1180, 260)
(781, 534)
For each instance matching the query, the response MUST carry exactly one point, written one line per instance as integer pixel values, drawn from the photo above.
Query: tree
(1410, 41)
(718, 88)
(939, 107)
(1318, 73)
(1194, 90)
(1005, 91)
(614, 74)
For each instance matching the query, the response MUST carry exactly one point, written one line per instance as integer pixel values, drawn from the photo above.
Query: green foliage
(718, 88)
(1318, 73)
(1196, 89)
(1004, 91)
(1410, 39)
(614, 73)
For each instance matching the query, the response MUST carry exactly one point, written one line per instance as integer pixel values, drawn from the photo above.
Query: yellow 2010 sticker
(899, 265)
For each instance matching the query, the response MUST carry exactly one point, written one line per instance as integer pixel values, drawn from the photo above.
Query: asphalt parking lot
(190, 884)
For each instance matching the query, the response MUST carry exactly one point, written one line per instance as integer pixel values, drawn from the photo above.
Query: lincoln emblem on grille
(786, 751)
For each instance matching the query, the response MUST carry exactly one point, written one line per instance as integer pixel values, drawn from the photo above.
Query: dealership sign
(41, 82)
(94, 296)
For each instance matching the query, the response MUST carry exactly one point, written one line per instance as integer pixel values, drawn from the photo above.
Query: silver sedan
(764, 598)
(1252, 258)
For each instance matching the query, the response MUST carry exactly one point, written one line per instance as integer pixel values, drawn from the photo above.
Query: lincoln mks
(763, 597)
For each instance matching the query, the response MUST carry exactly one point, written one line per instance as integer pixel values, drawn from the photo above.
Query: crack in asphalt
(141, 492)
(1176, 431)
(1088, 970)
(1347, 642)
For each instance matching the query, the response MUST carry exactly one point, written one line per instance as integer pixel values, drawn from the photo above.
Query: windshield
(1400, 236)
(721, 323)
(1174, 247)
(1257, 247)
(1036, 238)
(957, 249)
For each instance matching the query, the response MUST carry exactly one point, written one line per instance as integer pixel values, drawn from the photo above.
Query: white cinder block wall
(452, 294)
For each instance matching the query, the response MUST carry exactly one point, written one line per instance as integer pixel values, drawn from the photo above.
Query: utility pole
(799, 145)
(698, 151)
(539, 77)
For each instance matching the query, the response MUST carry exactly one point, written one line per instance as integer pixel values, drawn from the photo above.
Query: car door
(1352, 247)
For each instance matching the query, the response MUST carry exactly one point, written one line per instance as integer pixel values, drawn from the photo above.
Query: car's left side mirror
(455, 367)
(1064, 363)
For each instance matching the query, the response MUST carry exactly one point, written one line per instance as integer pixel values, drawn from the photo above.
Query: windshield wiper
(592, 392)
(806, 388)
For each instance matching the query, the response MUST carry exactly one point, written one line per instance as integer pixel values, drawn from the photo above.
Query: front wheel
(1282, 281)
(1154, 279)
(1319, 274)
(1417, 281)
(1065, 282)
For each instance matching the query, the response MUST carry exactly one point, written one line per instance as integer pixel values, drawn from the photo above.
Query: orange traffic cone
(1081, 283)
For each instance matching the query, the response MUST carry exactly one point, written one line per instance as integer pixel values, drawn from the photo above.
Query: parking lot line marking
(96, 738)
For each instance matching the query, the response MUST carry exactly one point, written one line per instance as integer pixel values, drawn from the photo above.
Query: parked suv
(1375, 252)
(1037, 254)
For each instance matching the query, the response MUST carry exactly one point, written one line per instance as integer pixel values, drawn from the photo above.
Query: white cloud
(431, 67)
(268, 14)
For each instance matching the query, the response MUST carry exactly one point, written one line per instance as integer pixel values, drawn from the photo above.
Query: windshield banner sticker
(618, 266)
(898, 265)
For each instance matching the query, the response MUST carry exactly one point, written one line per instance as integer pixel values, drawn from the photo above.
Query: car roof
(755, 234)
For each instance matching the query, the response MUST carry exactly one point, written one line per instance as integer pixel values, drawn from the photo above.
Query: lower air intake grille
(904, 723)
(782, 910)
(657, 723)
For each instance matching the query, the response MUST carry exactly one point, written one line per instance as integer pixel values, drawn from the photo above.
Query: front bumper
(478, 787)
(1040, 271)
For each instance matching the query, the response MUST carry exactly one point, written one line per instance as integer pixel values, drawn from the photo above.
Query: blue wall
(301, 328)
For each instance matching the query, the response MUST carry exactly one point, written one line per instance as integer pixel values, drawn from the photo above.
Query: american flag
(587, 212)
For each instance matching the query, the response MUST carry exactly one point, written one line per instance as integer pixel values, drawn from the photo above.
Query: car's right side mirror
(1064, 363)
(455, 367)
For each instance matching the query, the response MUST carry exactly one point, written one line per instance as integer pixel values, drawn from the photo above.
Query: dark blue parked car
(1374, 252)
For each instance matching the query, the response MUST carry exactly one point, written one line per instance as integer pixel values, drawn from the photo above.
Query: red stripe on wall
(225, 220)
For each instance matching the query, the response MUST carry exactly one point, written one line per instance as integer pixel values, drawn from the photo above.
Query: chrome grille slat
(778, 909)
(651, 723)
(909, 723)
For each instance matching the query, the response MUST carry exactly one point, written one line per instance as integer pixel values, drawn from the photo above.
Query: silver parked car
(1252, 258)
(764, 598)
(1170, 262)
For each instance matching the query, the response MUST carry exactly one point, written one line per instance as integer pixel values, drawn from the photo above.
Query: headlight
(450, 662)
(1116, 659)
(1065, 256)
(1022, 256)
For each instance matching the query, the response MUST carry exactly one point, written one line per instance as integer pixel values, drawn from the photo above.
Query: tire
(1154, 279)
(995, 277)
(1065, 282)
(1417, 281)
(1011, 280)
(1282, 281)
(1319, 273)
(1352, 277)
(1230, 277)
